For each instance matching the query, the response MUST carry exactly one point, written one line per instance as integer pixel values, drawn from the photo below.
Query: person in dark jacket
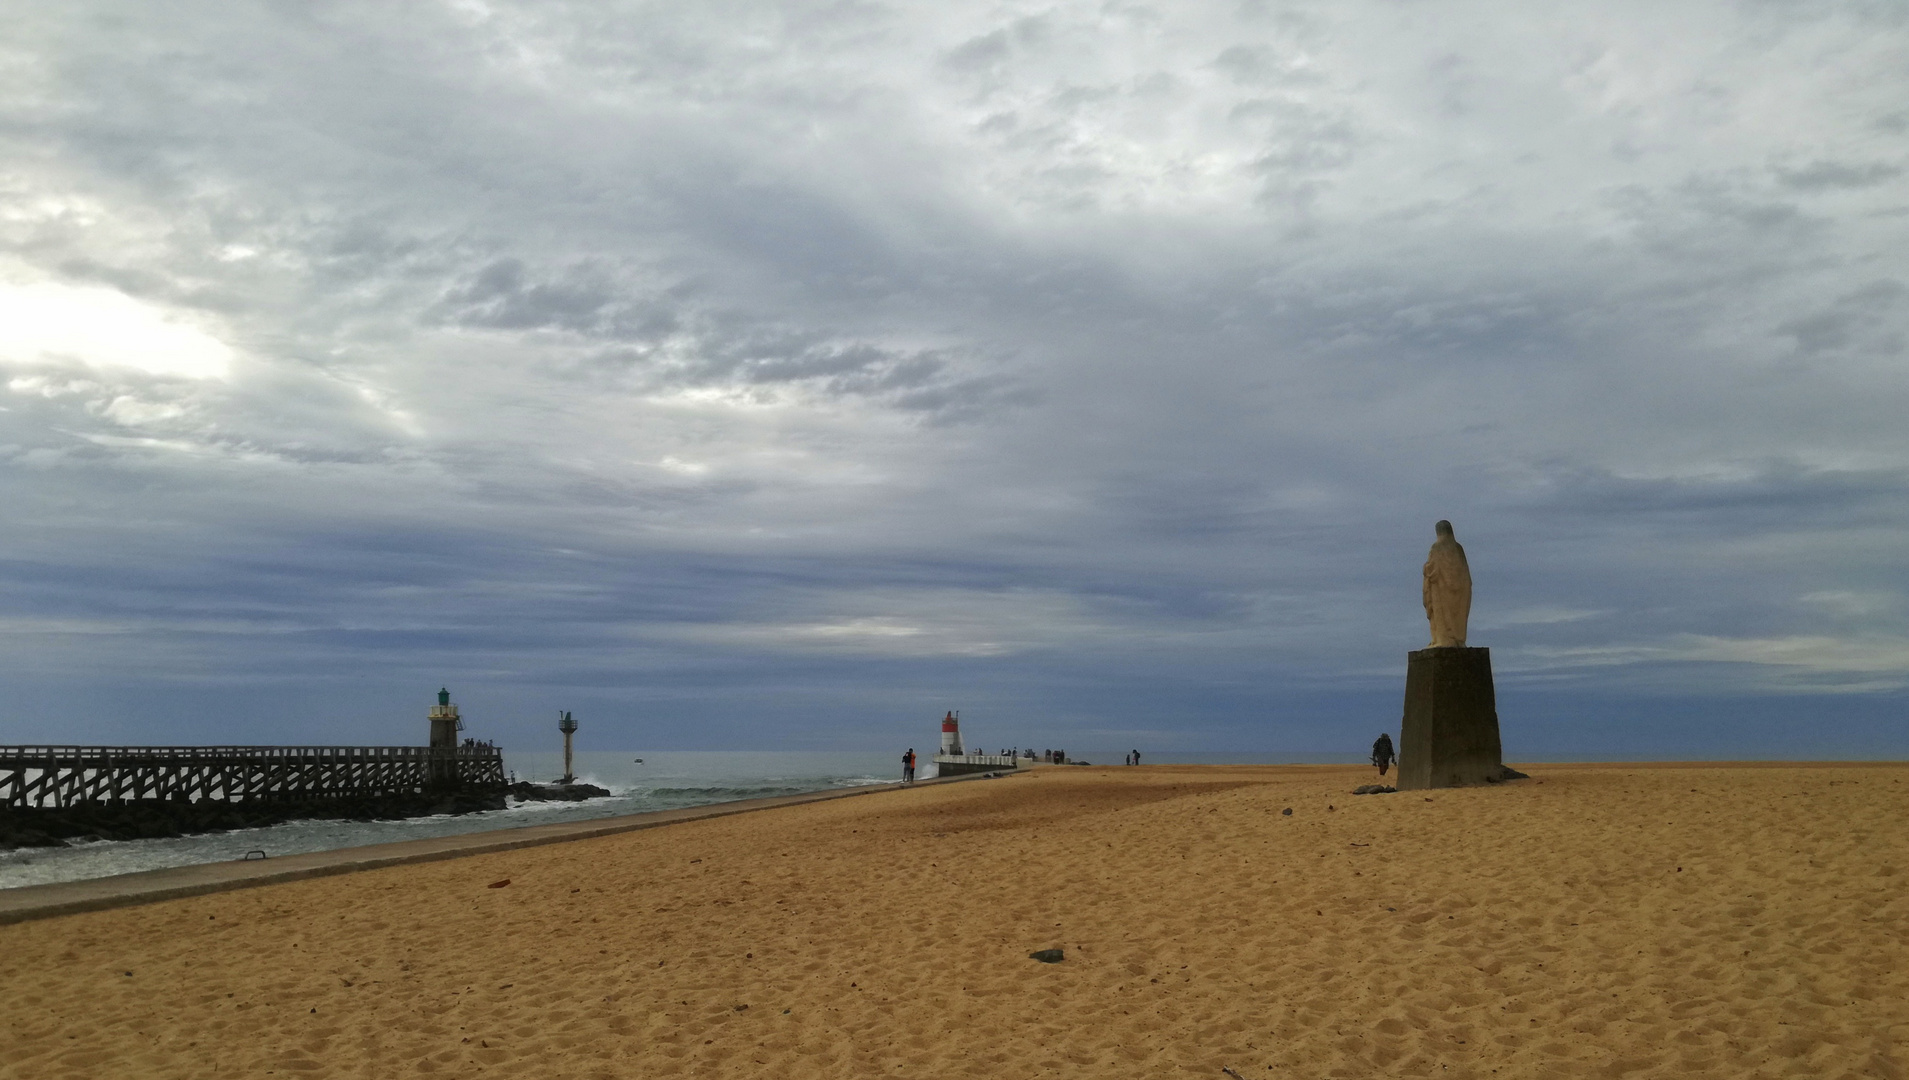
(1382, 753)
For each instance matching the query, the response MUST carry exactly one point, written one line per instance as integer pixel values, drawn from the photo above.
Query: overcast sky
(779, 375)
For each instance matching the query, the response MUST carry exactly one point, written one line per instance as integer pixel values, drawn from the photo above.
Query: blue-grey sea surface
(664, 780)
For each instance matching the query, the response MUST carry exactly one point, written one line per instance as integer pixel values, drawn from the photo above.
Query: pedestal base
(1449, 737)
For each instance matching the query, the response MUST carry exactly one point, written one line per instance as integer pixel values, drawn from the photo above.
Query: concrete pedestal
(1449, 737)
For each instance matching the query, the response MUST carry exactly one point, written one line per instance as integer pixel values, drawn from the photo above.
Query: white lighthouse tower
(951, 735)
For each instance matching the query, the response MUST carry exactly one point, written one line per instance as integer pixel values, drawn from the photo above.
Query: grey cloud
(978, 53)
(915, 381)
(1760, 496)
(1820, 332)
(583, 299)
(1301, 139)
(610, 349)
(663, 345)
(1828, 175)
(1243, 62)
(1264, 65)
(1862, 316)
(1452, 75)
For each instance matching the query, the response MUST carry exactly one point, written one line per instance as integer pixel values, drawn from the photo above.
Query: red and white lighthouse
(951, 735)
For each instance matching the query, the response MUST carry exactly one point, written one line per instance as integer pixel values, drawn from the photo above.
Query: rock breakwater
(148, 819)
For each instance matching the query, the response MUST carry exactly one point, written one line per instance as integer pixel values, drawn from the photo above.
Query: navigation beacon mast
(569, 728)
(444, 722)
(444, 728)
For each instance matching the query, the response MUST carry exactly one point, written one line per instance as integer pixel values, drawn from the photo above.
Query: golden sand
(1596, 921)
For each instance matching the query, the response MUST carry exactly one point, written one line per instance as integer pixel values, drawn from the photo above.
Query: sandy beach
(1594, 921)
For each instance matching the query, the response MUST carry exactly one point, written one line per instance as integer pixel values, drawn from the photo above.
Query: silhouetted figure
(1382, 753)
(908, 766)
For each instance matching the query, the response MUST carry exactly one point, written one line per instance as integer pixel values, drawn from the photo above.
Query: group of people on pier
(1383, 755)
(1052, 757)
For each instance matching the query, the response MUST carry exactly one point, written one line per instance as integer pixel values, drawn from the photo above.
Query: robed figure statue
(1448, 590)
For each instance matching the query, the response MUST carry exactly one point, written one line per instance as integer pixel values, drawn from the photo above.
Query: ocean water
(664, 780)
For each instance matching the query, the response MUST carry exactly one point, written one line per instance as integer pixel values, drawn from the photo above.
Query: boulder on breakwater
(525, 791)
(148, 819)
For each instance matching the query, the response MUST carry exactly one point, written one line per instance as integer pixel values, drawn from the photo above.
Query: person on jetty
(908, 766)
(1382, 753)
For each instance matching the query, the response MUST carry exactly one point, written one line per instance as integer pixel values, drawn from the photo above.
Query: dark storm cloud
(1103, 365)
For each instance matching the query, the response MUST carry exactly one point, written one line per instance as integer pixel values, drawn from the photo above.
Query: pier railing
(57, 776)
(993, 761)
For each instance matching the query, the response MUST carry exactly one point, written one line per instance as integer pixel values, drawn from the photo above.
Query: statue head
(1444, 529)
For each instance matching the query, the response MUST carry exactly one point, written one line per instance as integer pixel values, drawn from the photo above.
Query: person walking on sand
(1136, 757)
(1382, 754)
(908, 766)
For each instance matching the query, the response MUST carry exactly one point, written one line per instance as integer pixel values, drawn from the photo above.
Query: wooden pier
(61, 776)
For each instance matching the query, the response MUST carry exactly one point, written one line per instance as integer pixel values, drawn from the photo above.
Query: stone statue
(1448, 590)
